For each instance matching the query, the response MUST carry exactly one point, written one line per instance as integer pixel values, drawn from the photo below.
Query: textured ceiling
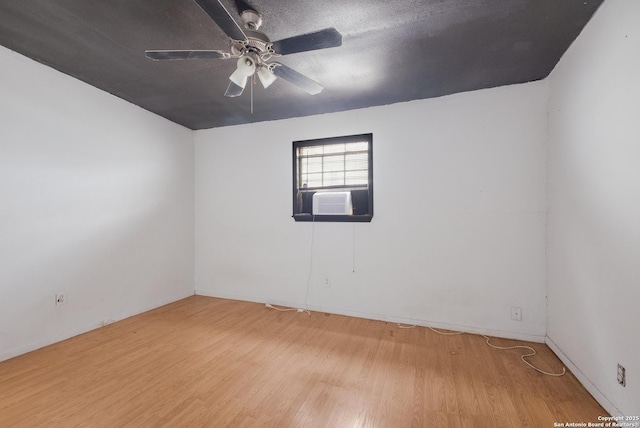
(392, 50)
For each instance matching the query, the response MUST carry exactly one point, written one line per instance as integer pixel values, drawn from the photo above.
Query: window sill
(366, 218)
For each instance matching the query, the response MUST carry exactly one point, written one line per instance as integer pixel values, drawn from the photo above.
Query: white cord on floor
(406, 326)
(522, 357)
(270, 306)
(444, 333)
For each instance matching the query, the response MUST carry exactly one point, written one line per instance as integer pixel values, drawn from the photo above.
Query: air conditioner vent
(332, 203)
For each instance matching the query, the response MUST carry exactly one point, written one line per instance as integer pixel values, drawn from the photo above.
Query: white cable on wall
(313, 233)
(306, 297)
(353, 246)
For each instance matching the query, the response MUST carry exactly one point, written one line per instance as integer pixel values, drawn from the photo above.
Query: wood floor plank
(213, 362)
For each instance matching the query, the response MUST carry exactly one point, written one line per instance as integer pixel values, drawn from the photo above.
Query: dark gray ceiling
(392, 50)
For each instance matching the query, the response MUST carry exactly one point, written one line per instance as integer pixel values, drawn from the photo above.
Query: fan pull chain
(252, 82)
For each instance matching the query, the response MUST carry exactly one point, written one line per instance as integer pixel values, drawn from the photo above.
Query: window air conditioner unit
(332, 203)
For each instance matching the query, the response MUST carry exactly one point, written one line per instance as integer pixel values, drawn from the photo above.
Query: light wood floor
(218, 363)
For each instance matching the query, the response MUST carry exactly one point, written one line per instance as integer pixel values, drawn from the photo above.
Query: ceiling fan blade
(233, 90)
(223, 18)
(297, 79)
(327, 38)
(178, 55)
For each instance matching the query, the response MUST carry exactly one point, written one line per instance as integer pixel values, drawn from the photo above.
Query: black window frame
(356, 217)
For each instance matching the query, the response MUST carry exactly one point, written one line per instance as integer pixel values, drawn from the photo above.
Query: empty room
(243, 213)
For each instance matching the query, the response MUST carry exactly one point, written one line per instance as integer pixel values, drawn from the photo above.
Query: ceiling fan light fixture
(246, 68)
(266, 77)
(239, 78)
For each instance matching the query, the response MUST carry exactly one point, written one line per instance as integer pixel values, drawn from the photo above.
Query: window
(335, 174)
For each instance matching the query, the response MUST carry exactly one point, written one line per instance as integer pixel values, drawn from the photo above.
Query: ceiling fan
(253, 49)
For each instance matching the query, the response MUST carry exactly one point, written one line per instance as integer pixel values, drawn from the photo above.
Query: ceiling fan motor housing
(256, 42)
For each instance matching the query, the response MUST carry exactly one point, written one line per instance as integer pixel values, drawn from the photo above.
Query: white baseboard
(87, 327)
(381, 317)
(583, 379)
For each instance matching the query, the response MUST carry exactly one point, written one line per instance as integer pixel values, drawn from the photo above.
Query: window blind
(333, 165)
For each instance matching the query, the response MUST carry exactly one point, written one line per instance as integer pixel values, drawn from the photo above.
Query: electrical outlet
(61, 299)
(516, 313)
(326, 283)
(622, 375)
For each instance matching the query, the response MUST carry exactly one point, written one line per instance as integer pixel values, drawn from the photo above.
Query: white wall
(96, 200)
(594, 196)
(458, 234)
